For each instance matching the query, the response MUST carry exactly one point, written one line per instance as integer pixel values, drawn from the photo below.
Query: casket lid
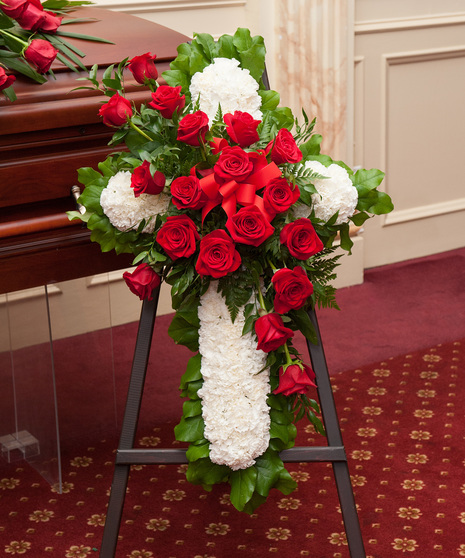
(131, 36)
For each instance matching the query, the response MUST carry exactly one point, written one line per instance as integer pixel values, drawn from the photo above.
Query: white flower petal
(124, 210)
(335, 193)
(223, 82)
(234, 393)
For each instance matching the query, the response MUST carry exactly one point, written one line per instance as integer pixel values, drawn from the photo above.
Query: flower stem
(11, 36)
(261, 300)
(137, 129)
(288, 356)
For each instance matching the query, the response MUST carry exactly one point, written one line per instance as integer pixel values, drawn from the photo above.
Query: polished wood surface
(50, 132)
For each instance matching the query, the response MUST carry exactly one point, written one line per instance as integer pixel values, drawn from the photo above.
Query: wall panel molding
(144, 6)
(408, 23)
(424, 211)
(411, 57)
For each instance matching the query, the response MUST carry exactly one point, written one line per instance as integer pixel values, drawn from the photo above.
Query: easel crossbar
(293, 455)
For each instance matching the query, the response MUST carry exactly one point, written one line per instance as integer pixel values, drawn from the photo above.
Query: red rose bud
(301, 239)
(242, 128)
(14, 8)
(292, 288)
(233, 164)
(40, 53)
(218, 255)
(217, 145)
(143, 182)
(50, 22)
(271, 332)
(142, 281)
(116, 111)
(193, 128)
(178, 237)
(5, 79)
(279, 195)
(284, 148)
(295, 378)
(249, 226)
(31, 17)
(186, 193)
(168, 100)
(143, 67)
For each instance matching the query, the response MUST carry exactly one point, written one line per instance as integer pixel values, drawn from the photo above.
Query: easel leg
(333, 432)
(129, 426)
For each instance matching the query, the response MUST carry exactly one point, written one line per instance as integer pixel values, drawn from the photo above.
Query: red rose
(249, 226)
(142, 281)
(279, 195)
(218, 255)
(292, 288)
(192, 128)
(14, 8)
(217, 145)
(241, 128)
(5, 80)
(186, 193)
(295, 378)
(271, 332)
(284, 148)
(168, 100)
(116, 111)
(50, 22)
(40, 53)
(31, 17)
(233, 164)
(301, 239)
(143, 182)
(143, 67)
(178, 236)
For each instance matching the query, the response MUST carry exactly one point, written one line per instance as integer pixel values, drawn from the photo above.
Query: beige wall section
(409, 121)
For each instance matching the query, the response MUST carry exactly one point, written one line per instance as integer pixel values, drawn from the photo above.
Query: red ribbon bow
(230, 193)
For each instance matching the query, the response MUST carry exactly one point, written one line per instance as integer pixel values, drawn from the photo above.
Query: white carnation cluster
(124, 210)
(335, 193)
(234, 393)
(223, 82)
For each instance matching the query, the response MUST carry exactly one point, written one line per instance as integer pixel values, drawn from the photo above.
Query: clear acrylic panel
(29, 426)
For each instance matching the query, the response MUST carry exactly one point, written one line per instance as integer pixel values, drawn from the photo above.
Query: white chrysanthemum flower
(223, 82)
(124, 210)
(335, 193)
(234, 393)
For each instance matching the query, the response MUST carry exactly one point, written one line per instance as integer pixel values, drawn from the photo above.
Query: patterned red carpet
(402, 422)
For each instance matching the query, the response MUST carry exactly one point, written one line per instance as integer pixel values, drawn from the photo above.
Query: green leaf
(189, 429)
(184, 333)
(304, 324)
(192, 408)
(9, 93)
(366, 180)
(208, 45)
(270, 99)
(226, 48)
(311, 147)
(242, 486)
(18, 65)
(251, 52)
(83, 37)
(269, 467)
(286, 484)
(192, 372)
(279, 431)
(198, 450)
(203, 471)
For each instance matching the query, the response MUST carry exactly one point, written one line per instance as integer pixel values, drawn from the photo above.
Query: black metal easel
(127, 455)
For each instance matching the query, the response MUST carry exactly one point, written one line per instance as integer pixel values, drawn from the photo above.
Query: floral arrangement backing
(224, 195)
(33, 35)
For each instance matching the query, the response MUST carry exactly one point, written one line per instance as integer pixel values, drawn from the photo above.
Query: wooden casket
(50, 132)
